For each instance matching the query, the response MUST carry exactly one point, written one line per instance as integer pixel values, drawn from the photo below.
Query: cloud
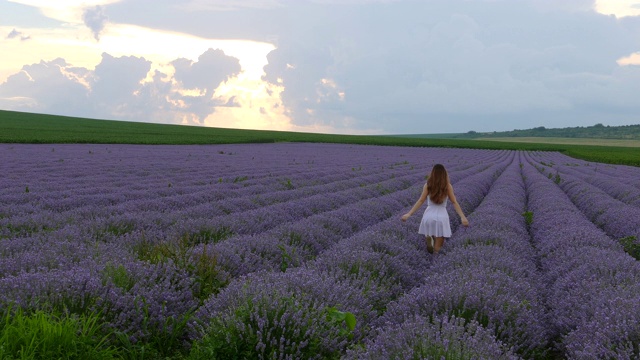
(355, 63)
(50, 87)
(13, 34)
(153, 101)
(95, 18)
(349, 64)
(204, 76)
(379, 66)
(114, 83)
(17, 34)
(434, 60)
(123, 88)
(212, 68)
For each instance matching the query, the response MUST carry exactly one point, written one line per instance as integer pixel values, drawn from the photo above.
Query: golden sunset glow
(258, 105)
(619, 8)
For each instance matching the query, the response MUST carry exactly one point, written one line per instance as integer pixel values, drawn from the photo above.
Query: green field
(20, 127)
(570, 141)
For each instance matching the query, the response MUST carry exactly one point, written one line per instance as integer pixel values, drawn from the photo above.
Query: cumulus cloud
(203, 77)
(212, 68)
(51, 87)
(114, 83)
(95, 18)
(124, 88)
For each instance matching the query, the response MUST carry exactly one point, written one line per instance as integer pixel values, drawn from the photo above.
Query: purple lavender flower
(280, 315)
(488, 275)
(587, 273)
(435, 338)
(306, 233)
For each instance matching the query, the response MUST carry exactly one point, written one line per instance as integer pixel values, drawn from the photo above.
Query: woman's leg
(438, 245)
(429, 240)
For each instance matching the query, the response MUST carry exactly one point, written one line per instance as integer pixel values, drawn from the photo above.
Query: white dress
(435, 221)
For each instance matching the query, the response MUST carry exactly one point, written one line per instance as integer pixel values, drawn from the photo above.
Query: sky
(327, 66)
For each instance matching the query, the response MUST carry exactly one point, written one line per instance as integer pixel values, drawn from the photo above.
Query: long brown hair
(437, 184)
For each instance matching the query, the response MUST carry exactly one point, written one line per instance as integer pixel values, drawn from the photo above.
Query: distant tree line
(596, 131)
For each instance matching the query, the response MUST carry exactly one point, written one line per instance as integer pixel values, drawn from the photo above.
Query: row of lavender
(289, 314)
(288, 285)
(534, 341)
(297, 240)
(145, 283)
(155, 225)
(608, 195)
(592, 286)
(83, 185)
(46, 240)
(482, 300)
(574, 293)
(57, 202)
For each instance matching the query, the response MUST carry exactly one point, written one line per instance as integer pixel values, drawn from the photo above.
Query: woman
(435, 224)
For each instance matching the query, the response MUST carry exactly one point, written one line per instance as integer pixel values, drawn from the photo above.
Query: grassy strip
(19, 127)
(41, 335)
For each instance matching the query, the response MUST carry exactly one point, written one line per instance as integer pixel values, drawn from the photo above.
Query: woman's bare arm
(421, 200)
(456, 206)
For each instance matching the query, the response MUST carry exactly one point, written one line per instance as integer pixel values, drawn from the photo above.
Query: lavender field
(297, 251)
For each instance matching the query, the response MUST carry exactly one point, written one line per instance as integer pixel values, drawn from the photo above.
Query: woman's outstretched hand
(405, 217)
(465, 222)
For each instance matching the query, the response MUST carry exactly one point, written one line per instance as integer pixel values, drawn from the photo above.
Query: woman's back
(431, 203)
